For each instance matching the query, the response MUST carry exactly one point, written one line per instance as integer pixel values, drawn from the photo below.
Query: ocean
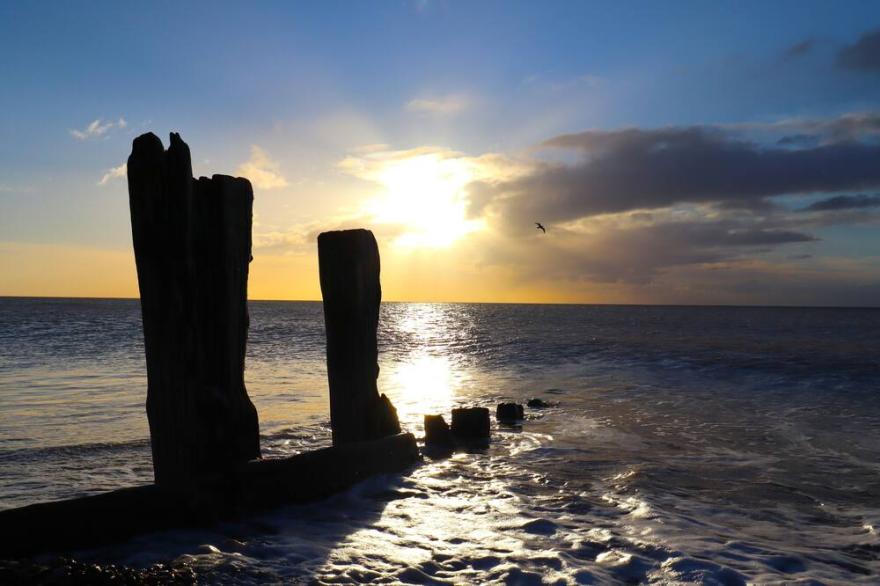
(716, 445)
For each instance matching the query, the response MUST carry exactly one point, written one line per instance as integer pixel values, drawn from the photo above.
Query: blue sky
(310, 85)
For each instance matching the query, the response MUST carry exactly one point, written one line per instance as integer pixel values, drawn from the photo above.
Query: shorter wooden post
(349, 269)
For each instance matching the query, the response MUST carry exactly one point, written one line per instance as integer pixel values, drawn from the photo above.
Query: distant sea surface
(715, 445)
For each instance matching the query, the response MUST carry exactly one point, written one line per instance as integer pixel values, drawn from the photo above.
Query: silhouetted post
(349, 268)
(192, 244)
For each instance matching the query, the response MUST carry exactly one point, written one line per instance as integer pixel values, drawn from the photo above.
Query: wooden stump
(349, 270)
(192, 243)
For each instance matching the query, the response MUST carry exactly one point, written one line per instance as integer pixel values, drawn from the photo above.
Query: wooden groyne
(192, 242)
(256, 485)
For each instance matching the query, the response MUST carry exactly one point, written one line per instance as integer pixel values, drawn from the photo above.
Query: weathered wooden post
(349, 269)
(192, 243)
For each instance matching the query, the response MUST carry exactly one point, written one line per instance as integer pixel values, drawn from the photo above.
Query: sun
(425, 195)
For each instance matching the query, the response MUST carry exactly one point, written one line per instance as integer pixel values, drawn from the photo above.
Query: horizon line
(732, 305)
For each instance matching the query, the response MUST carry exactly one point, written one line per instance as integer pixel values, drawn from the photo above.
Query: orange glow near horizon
(408, 274)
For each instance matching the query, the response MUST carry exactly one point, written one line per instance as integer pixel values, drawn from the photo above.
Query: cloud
(821, 281)
(261, 170)
(378, 147)
(800, 49)
(290, 242)
(555, 84)
(688, 261)
(20, 188)
(798, 140)
(628, 208)
(677, 214)
(863, 55)
(370, 162)
(631, 169)
(98, 128)
(636, 248)
(423, 190)
(439, 105)
(114, 173)
(815, 131)
(632, 204)
(844, 202)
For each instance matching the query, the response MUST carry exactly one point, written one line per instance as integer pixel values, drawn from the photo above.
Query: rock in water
(349, 268)
(509, 412)
(538, 403)
(386, 417)
(437, 433)
(470, 422)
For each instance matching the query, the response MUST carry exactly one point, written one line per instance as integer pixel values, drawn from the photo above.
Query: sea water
(682, 445)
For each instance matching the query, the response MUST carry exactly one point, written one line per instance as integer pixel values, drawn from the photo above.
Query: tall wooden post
(349, 269)
(192, 244)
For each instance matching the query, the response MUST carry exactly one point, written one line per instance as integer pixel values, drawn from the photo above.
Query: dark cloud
(764, 237)
(803, 132)
(863, 55)
(844, 202)
(800, 49)
(718, 235)
(853, 126)
(692, 212)
(749, 282)
(634, 169)
(638, 253)
(694, 261)
(751, 205)
(799, 140)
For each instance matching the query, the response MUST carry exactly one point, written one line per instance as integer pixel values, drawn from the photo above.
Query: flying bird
(538, 226)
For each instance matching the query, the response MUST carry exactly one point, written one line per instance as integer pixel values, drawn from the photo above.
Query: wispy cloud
(845, 202)
(371, 162)
(7, 188)
(262, 170)
(114, 173)
(293, 241)
(98, 128)
(555, 84)
(448, 105)
(800, 49)
(815, 131)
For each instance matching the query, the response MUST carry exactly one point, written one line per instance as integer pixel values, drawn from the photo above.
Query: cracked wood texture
(192, 244)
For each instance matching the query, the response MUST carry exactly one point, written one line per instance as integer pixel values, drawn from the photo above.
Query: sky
(676, 152)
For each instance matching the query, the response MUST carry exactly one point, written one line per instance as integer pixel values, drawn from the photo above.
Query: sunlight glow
(424, 385)
(425, 195)
(427, 379)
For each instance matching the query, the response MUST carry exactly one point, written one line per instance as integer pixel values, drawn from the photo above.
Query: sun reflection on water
(423, 385)
(426, 376)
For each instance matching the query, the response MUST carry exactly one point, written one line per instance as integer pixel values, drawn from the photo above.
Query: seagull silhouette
(538, 226)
